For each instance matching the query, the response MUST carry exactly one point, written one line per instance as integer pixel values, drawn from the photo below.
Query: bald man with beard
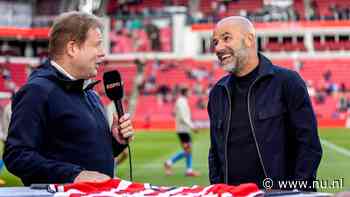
(262, 124)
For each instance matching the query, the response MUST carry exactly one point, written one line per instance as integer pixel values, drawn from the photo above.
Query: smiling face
(75, 43)
(89, 55)
(230, 48)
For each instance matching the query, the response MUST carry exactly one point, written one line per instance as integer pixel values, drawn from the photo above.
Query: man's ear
(71, 48)
(249, 40)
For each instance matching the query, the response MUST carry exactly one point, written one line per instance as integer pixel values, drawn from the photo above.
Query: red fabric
(118, 187)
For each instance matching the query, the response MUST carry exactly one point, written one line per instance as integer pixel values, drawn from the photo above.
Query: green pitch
(151, 149)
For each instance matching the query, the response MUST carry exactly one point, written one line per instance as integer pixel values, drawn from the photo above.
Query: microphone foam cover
(113, 85)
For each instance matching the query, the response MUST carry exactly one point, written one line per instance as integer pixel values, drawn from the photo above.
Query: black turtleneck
(243, 159)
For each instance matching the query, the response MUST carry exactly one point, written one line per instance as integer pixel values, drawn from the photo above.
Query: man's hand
(122, 130)
(91, 176)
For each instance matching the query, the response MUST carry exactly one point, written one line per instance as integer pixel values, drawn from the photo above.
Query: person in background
(183, 127)
(5, 121)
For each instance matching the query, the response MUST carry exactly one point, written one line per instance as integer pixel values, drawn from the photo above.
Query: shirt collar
(75, 84)
(61, 70)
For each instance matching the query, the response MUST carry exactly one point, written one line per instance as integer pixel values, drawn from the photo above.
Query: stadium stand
(160, 114)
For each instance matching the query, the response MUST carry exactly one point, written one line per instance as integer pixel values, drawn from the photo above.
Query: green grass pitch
(151, 149)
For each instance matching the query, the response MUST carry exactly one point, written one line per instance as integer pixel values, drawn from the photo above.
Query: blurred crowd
(145, 26)
(199, 13)
(6, 75)
(327, 88)
(199, 81)
(135, 35)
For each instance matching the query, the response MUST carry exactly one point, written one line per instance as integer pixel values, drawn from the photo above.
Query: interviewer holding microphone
(58, 131)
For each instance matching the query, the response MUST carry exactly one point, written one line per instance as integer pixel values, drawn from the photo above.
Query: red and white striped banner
(122, 188)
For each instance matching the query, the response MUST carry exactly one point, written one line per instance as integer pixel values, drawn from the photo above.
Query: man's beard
(237, 63)
(231, 67)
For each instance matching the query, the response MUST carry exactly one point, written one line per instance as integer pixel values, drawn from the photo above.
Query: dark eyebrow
(222, 35)
(225, 34)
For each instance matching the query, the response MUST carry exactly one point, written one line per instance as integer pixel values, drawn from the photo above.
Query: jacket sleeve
(215, 175)
(23, 154)
(303, 124)
(117, 147)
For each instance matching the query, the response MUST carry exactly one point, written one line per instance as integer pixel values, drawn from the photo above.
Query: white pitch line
(339, 149)
(159, 165)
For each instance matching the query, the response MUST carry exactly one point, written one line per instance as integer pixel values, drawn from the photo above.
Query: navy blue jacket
(281, 119)
(58, 129)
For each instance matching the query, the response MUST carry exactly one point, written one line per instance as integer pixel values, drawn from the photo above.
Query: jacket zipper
(226, 139)
(253, 128)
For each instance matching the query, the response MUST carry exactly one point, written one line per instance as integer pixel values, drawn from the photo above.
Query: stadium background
(160, 45)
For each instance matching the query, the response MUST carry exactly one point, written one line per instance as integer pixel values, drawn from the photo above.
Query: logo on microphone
(113, 85)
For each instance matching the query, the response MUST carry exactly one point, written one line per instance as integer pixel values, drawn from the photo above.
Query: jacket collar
(265, 69)
(66, 83)
(77, 85)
